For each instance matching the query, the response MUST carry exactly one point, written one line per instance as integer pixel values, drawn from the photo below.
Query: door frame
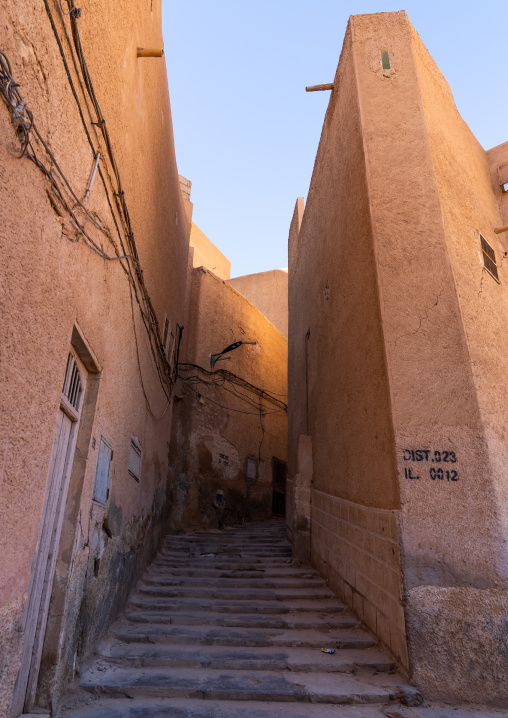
(55, 511)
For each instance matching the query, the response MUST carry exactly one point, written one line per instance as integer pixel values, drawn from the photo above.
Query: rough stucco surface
(352, 446)
(429, 184)
(333, 292)
(213, 438)
(50, 281)
(268, 291)
(434, 403)
(471, 655)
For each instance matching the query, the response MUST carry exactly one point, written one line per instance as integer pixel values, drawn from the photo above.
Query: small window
(252, 469)
(101, 485)
(489, 258)
(385, 59)
(135, 454)
(72, 383)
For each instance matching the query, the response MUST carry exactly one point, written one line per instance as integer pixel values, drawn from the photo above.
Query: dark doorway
(279, 473)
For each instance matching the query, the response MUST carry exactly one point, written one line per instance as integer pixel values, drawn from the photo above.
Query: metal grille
(72, 384)
(489, 258)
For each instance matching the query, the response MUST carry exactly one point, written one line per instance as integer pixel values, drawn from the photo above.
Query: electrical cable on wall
(228, 375)
(62, 195)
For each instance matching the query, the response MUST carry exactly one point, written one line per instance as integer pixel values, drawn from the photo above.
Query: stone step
(237, 594)
(228, 548)
(260, 573)
(225, 541)
(222, 562)
(101, 707)
(287, 620)
(336, 688)
(223, 625)
(234, 556)
(321, 637)
(223, 583)
(218, 605)
(244, 658)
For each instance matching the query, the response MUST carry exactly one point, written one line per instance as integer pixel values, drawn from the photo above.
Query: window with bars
(135, 456)
(489, 258)
(72, 384)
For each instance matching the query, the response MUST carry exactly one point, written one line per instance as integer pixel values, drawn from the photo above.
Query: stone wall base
(458, 643)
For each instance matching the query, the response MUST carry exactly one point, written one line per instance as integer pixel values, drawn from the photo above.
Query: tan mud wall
(430, 194)
(472, 202)
(50, 281)
(207, 255)
(333, 292)
(268, 291)
(296, 402)
(213, 438)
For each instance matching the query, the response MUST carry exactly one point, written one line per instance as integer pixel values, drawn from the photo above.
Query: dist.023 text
(431, 456)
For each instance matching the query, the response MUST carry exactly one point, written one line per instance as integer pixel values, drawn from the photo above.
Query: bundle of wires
(65, 199)
(196, 378)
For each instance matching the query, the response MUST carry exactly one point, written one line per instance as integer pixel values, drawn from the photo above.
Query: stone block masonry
(356, 547)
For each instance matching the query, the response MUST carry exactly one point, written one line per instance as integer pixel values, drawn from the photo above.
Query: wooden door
(49, 534)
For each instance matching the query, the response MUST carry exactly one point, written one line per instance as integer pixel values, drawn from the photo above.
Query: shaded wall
(333, 295)
(268, 291)
(225, 435)
(52, 282)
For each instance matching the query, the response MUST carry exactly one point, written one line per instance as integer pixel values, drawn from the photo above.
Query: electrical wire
(234, 378)
(24, 125)
(228, 408)
(147, 311)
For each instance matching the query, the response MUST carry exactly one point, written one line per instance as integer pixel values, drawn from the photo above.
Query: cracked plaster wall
(215, 445)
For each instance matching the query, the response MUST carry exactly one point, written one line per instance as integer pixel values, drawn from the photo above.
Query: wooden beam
(498, 230)
(317, 88)
(147, 52)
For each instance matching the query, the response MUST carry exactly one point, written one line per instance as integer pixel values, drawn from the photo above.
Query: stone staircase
(222, 624)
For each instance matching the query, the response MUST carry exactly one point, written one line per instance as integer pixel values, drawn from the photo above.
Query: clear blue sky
(246, 132)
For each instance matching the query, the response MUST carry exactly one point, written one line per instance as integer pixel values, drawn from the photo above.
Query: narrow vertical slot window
(385, 59)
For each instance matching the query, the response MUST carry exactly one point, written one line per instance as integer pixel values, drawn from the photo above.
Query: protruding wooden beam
(147, 52)
(317, 88)
(498, 230)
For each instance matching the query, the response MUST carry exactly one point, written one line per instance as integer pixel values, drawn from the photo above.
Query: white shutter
(101, 486)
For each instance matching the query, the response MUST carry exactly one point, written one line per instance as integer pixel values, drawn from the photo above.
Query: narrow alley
(283, 493)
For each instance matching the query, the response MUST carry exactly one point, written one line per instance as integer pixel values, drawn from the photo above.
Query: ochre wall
(50, 281)
(470, 525)
(210, 420)
(206, 254)
(268, 291)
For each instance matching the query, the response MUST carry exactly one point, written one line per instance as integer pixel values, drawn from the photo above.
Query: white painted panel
(101, 486)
